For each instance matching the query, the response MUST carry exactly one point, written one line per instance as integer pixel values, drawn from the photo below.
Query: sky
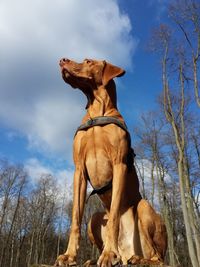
(39, 113)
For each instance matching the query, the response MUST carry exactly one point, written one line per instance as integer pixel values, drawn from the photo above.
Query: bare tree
(28, 217)
(13, 181)
(151, 135)
(42, 211)
(186, 15)
(175, 108)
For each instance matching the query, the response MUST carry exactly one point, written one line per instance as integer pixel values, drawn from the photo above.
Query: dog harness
(101, 121)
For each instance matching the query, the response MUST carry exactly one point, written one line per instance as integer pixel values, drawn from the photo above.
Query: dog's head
(88, 74)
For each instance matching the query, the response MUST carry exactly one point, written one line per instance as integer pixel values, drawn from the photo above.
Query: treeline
(35, 219)
(27, 217)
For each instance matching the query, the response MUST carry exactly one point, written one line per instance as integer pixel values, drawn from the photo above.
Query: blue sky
(38, 111)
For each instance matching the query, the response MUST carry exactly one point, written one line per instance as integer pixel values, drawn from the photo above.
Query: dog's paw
(65, 260)
(134, 260)
(155, 260)
(108, 259)
(90, 263)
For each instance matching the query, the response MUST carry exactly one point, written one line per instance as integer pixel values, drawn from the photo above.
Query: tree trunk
(173, 258)
(179, 135)
(31, 249)
(196, 85)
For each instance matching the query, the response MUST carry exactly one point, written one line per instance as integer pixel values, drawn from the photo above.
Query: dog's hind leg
(97, 229)
(152, 233)
(96, 233)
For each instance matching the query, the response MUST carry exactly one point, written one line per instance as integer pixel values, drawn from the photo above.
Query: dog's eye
(88, 61)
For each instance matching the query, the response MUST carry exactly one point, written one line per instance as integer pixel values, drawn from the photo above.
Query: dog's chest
(95, 154)
(97, 149)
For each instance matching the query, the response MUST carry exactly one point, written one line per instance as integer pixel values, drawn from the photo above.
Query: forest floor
(129, 265)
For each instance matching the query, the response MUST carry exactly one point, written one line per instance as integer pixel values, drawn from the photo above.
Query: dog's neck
(102, 101)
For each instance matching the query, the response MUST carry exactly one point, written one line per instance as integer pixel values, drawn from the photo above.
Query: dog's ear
(110, 72)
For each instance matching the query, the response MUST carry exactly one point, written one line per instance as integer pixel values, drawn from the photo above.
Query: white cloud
(63, 177)
(34, 36)
(54, 122)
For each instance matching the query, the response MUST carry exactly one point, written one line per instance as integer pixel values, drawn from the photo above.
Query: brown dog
(130, 230)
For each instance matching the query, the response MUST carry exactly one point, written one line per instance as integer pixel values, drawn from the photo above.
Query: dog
(129, 231)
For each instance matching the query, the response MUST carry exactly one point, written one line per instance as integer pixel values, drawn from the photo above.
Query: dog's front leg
(79, 194)
(110, 255)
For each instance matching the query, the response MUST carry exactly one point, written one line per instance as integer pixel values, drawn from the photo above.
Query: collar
(100, 121)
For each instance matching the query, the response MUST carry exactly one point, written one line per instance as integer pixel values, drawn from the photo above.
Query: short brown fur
(129, 230)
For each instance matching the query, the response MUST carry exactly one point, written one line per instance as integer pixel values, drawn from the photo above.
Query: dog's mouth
(69, 78)
(76, 81)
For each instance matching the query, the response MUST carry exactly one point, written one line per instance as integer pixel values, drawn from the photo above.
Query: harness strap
(100, 121)
(101, 190)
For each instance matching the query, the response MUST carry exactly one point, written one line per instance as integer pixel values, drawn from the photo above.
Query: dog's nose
(63, 61)
(66, 60)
